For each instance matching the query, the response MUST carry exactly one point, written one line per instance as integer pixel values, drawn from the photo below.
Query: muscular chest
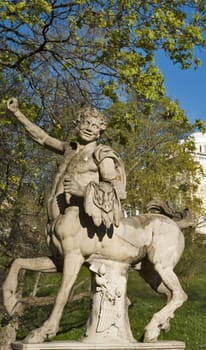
(80, 163)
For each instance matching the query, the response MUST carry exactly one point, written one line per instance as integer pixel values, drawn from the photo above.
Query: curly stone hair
(91, 112)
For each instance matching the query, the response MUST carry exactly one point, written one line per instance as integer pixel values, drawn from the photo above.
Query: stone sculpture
(85, 227)
(183, 219)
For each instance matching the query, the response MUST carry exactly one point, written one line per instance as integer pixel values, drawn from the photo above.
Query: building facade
(200, 156)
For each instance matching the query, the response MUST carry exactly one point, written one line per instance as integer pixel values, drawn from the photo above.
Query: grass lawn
(188, 325)
(189, 322)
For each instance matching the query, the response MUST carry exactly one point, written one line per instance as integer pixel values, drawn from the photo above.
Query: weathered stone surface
(66, 345)
(108, 322)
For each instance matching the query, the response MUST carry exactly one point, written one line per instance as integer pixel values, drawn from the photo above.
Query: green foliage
(193, 261)
(21, 13)
(157, 164)
(23, 185)
(113, 43)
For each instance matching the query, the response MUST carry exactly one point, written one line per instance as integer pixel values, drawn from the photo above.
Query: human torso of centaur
(81, 164)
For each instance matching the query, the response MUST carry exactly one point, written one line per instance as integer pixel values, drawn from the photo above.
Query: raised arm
(36, 133)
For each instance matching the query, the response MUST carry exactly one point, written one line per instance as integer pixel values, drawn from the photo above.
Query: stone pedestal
(108, 322)
(71, 345)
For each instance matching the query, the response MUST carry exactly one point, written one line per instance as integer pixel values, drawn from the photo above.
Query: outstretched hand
(13, 105)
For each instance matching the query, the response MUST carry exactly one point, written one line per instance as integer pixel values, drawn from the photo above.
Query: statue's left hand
(71, 186)
(12, 105)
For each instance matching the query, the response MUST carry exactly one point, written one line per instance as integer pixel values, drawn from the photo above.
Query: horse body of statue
(149, 243)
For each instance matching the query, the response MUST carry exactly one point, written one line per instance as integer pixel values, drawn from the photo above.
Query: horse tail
(183, 219)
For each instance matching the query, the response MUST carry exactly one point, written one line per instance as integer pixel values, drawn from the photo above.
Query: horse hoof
(151, 336)
(34, 337)
(40, 334)
(166, 326)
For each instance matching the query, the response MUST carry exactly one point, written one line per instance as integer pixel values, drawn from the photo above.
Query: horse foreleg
(72, 265)
(162, 317)
(9, 287)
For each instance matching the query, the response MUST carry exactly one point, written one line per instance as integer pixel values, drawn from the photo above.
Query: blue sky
(186, 86)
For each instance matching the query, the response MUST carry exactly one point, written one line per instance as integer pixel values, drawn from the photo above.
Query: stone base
(77, 345)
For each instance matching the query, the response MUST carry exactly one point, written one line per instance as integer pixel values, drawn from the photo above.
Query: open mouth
(86, 133)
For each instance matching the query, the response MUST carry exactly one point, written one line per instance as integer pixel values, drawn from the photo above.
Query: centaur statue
(85, 226)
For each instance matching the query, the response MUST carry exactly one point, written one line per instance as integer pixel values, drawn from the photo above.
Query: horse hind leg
(9, 288)
(151, 276)
(176, 298)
